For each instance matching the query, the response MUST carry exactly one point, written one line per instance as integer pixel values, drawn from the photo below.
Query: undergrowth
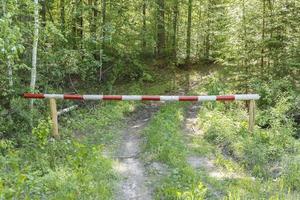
(69, 168)
(269, 154)
(164, 143)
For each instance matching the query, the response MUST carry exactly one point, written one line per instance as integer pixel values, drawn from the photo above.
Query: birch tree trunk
(34, 48)
(8, 62)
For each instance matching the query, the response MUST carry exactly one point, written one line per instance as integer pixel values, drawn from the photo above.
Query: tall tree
(43, 12)
(103, 35)
(161, 35)
(7, 57)
(207, 34)
(262, 59)
(189, 31)
(93, 16)
(62, 16)
(144, 31)
(34, 48)
(175, 28)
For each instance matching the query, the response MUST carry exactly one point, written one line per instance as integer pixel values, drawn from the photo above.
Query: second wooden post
(53, 110)
(251, 115)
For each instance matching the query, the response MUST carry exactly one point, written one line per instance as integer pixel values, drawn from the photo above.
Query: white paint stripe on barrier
(131, 97)
(247, 97)
(207, 98)
(92, 97)
(54, 96)
(169, 98)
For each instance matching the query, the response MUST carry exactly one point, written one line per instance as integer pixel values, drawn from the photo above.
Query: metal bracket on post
(53, 110)
(251, 115)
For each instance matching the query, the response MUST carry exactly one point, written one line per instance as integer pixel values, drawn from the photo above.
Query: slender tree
(103, 35)
(93, 16)
(161, 35)
(43, 12)
(34, 48)
(144, 31)
(175, 27)
(62, 16)
(262, 59)
(207, 34)
(8, 59)
(189, 31)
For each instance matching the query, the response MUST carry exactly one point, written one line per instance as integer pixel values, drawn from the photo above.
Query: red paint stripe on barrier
(143, 98)
(73, 96)
(150, 98)
(226, 98)
(33, 96)
(191, 98)
(112, 97)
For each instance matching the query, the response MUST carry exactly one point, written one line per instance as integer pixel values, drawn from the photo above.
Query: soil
(135, 183)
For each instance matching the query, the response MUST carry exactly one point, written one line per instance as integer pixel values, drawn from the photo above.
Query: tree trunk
(103, 35)
(189, 31)
(161, 35)
(34, 48)
(199, 35)
(103, 21)
(8, 62)
(43, 12)
(175, 26)
(144, 31)
(93, 16)
(80, 23)
(62, 16)
(207, 36)
(262, 59)
(244, 59)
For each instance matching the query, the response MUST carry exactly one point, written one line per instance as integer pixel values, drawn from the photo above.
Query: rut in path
(135, 182)
(204, 162)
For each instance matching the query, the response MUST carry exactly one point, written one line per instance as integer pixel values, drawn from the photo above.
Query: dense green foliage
(149, 47)
(102, 42)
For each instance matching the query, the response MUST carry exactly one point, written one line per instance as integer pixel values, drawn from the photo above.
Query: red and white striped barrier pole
(53, 97)
(142, 98)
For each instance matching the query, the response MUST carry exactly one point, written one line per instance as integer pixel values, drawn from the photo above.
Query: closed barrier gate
(53, 97)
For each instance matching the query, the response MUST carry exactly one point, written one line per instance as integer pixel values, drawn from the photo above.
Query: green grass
(165, 143)
(70, 168)
(260, 153)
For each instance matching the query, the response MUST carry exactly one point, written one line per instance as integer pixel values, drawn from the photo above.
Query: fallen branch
(65, 110)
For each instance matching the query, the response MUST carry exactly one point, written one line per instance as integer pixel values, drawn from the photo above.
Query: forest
(150, 150)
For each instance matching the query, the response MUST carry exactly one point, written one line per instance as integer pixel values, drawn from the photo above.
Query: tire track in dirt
(205, 162)
(135, 181)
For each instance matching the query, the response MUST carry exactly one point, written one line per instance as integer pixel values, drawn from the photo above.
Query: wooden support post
(53, 109)
(251, 115)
